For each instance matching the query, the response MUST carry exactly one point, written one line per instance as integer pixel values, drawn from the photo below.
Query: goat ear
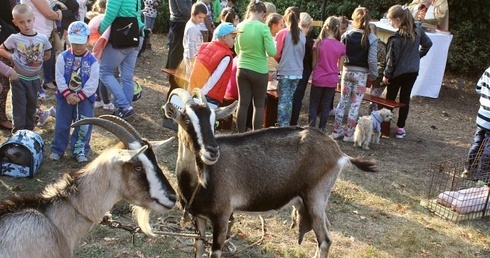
(171, 111)
(127, 155)
(157, 145)
(224, 112)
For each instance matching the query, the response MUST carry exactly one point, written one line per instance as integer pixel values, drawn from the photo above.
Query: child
(192, 35)
(207, 25)
(482, 125)
(252, 47)
(214, 63)
(328, 59)
(290, 53)
(98, 42)
(360, 63)
(77, 76)
(28, 50)
(377, 87)
(150, 12)
(403, 60)
(305, 21)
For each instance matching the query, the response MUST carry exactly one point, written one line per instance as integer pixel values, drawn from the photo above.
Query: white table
(432, 66)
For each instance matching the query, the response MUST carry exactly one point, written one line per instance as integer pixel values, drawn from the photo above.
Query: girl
(403, 59)
(305, 21)
(229, 15)
(328, 59)
(252, 47)
(290, 53)
(360, 62)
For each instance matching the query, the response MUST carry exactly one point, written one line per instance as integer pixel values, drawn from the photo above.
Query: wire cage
(458, 191)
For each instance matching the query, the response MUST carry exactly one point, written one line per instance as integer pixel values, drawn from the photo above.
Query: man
(180, 13)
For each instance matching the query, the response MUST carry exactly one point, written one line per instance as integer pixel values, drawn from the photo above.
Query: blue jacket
(88, 74)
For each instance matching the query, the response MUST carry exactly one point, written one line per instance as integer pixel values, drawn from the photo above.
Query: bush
(469, 53)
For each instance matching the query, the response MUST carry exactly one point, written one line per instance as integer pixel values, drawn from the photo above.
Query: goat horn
(124, 124)
(119, 131)
(184, 95)
(198, 92)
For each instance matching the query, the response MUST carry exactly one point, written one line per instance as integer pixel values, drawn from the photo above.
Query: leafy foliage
(469, 53)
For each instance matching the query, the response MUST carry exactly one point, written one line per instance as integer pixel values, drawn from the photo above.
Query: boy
(214, 63)
(480, 145)
(77, 76)
(192, 35)
(27, 50)
(207, 26)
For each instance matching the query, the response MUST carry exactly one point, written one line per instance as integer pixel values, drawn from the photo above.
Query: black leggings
(251, 86)
(404, 84)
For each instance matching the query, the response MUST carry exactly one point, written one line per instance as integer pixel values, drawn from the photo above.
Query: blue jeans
(79, 140)
(286, 89)
(298, 97)
(125, 59)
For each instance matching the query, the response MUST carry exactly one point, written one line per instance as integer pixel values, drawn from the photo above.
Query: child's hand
(72, 99)
(385, 81)
(14, 76)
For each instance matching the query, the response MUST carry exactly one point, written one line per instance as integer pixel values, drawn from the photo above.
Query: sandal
(6, 125)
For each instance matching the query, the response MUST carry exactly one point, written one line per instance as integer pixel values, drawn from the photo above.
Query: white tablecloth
(432, 66)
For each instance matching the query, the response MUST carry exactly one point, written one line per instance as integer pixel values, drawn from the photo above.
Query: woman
(124, 58)
(252, 76)
(44, 24)
(6, 18)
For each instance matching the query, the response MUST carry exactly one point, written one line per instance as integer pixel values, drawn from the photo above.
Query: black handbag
(125, 32)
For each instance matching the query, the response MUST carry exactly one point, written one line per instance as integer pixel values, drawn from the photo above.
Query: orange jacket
(208, 58)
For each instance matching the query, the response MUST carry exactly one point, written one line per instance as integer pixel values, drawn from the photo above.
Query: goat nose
(213, 151)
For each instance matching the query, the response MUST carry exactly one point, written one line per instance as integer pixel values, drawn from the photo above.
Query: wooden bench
(270, 116)
(178, 80)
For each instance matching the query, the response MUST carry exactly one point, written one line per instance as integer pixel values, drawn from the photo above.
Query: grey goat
(49, 224)
(253, 172)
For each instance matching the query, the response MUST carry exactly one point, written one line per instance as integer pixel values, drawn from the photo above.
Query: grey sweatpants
(24, 103)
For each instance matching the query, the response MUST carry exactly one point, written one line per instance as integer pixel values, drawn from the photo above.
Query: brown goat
(253, 172)
(49, 224)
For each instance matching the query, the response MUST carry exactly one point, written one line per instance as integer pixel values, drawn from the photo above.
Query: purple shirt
(326, 71)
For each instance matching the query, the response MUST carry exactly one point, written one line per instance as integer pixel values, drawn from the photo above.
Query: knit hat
(78, 32)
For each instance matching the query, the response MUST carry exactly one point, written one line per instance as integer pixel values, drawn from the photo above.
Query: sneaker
(54, 157)
(109, 106)
(126, 113)
(49, 85)
(42, 117)
(400, 133)
(52, 111)
(348, 138)
(337, 133)
(98, 104)
(41, 95)
(81, 158)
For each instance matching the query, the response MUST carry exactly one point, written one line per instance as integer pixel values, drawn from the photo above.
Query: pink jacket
(98, 41)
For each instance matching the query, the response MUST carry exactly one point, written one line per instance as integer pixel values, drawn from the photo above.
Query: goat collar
(78, 211)
(186, 218)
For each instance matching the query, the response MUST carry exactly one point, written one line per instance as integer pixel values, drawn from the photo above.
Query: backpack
(22, 154)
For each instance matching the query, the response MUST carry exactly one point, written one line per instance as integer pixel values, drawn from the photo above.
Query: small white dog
(369, 127)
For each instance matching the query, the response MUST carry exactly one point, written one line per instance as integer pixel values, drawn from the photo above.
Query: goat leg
(220, 226)
(201, 230)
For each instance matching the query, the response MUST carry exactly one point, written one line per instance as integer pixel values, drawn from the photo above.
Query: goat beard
(142, 216)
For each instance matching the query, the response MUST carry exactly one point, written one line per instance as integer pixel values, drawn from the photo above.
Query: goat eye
(138, 168)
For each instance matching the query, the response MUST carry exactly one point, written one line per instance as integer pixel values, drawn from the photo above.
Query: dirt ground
(375, 215)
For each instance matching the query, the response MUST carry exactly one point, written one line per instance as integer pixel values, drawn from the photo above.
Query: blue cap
(224, 29)
(78, 32)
